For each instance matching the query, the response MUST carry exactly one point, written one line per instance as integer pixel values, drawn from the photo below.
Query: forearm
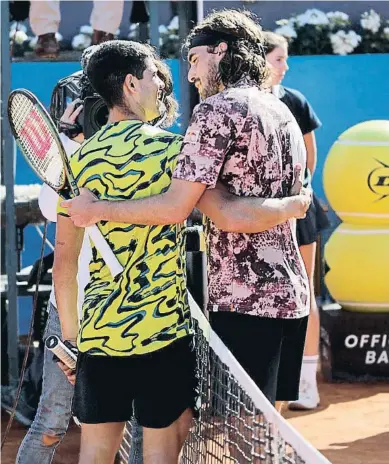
(171, 207)
(155, 210)
(66, 291)
(245, 215)
(310, 145)
(311, 165)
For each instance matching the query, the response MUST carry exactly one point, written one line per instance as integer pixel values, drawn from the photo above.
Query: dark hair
(109, 65)
(85, 56)
(273, 41)
(245, 53)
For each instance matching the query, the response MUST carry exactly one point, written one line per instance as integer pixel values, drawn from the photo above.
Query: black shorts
(156, 387)
(308, 229)
(270, 350)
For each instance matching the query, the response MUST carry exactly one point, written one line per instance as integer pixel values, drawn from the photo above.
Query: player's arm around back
(251, 215)
(171, 207)
(198, 168)
(229, 212)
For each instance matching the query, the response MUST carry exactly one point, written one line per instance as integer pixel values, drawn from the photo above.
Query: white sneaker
(308, 397)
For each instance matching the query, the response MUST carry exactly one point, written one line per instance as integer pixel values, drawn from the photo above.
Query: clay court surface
(350, 427)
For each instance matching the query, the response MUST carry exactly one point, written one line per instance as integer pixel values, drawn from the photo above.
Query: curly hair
(245, 54)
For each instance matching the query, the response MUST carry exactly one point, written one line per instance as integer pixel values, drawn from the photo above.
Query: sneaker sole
(300, 407)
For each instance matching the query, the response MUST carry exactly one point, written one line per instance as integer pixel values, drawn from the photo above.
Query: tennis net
(236, 423)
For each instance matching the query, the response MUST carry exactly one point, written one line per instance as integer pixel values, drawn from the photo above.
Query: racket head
(37, 137)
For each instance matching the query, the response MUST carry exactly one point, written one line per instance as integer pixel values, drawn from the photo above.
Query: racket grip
(104, 249)
(54, 344)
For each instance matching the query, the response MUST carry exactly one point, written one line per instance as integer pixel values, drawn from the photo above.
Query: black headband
(210, 38)
(215, 37)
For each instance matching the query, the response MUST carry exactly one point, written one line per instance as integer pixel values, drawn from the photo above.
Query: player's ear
(130, 84)
(222, 48)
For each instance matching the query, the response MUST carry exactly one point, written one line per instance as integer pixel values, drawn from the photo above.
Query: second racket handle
(54, 344)
(104, 249)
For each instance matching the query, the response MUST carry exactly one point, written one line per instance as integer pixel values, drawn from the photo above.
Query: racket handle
(104, 249)
(54, 344)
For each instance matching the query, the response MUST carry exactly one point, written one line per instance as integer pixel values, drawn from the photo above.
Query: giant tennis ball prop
(356, 174)
(358, 261)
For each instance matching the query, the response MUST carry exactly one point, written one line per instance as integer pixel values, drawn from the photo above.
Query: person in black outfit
(315, 220)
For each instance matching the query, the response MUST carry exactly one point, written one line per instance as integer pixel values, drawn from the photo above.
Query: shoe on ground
(100, 37)
(24, 413)
(47, 46)
(308, 398)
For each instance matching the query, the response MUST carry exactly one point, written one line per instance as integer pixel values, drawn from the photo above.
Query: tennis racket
(38, 140)
(63, 353)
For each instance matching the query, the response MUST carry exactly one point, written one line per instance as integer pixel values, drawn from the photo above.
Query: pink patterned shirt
(249, 140)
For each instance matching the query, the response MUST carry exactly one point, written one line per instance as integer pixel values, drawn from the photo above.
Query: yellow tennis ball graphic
(356, 174)
(358, 261)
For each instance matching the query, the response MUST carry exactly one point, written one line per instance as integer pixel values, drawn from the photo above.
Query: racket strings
(37, 141)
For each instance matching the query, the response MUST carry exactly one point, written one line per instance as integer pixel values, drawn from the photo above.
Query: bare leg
(308, 253)
(163, 446)
(279, 405)
(184, 424)
(308, 395)
(100, 442)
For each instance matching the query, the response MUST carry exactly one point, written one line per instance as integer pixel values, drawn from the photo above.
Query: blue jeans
(54, 411)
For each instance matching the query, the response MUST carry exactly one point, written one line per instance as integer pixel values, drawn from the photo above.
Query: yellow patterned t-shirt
(145, 308)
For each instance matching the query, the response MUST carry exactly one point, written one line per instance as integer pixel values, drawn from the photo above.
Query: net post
(154, 24)
(200, 10)
(187, 18)
(7, 177)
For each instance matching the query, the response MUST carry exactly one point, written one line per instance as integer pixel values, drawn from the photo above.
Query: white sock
(309, 369)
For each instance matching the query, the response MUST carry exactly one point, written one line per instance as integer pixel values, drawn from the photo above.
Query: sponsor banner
(354, 346)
